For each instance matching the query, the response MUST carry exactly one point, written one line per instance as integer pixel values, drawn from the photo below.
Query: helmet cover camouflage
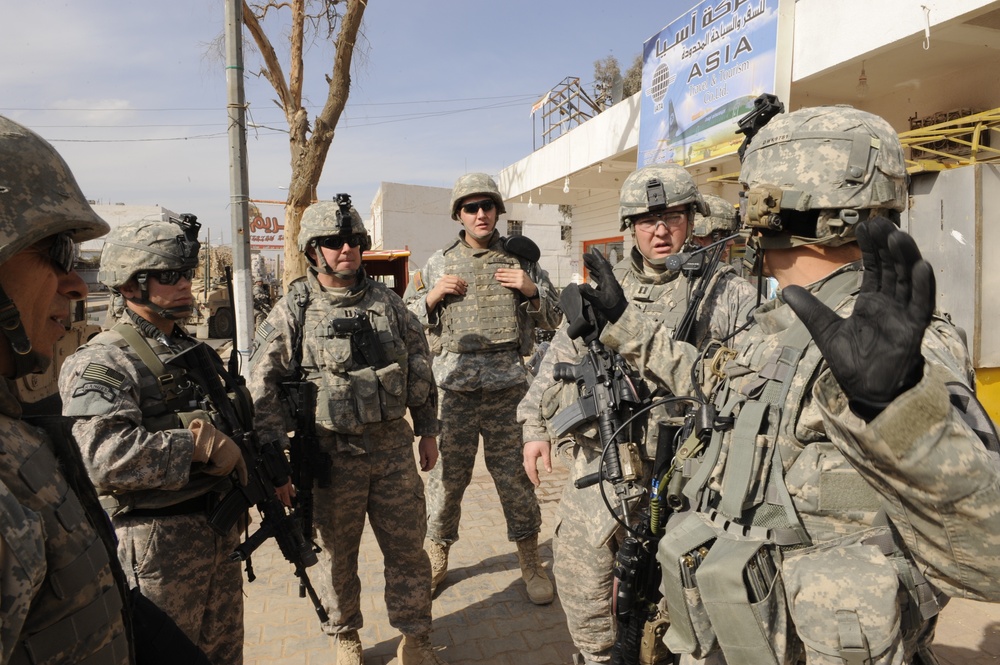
(722, 217)
(475, 183)
(39, 196)
(656, 187)
(833, 159)
(325, 218)
(144, 245)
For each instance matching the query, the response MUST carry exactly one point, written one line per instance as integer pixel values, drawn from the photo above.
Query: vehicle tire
(221, 325)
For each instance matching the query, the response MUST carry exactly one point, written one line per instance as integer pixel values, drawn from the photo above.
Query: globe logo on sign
(661, 81)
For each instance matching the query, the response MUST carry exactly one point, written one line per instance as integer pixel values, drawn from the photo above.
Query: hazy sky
(134, 98)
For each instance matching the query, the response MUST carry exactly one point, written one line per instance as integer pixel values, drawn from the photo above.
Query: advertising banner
(267, 225)
(702, 73)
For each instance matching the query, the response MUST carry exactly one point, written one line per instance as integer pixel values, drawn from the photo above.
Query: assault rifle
(365, 343)
(610, 395)
(310, 465)
(265, 464)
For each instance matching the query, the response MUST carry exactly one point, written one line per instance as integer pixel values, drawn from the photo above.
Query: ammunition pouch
(723, 585)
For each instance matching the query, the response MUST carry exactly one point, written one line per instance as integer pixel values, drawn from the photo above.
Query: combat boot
(438, 554)
(416, 650)
(534, 575)
(349, 649)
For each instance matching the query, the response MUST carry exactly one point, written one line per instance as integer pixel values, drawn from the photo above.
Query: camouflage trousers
(386, 487)
(183, 566)
(584, 569)
(464, 417)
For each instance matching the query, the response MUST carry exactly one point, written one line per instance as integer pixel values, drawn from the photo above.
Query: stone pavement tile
(968, 633)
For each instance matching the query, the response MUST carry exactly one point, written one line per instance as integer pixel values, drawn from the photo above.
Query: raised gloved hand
(608, 300)
(875, 352)
(218, 452)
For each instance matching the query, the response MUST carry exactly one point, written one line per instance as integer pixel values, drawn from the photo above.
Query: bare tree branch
(272, 70)
(308, 146)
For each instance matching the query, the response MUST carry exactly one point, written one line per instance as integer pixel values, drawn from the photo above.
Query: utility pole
(239, 183)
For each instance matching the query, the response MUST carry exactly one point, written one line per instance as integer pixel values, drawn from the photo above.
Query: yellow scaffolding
(955, 142)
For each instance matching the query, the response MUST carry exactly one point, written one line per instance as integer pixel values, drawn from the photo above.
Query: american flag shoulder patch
(103, 374)
(418, 281)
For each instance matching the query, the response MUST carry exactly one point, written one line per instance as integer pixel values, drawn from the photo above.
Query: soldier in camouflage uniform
(62, 595)
(152, 440)
(721, 222)
(657, 205)
(261, 301)
(839, 496)
(481, 298)
(360, 423)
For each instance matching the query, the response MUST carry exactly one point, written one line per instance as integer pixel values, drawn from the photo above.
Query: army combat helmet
(811, 175)
(722, 218)
(325, 219)
(475, 183)
(39, 198)
(655, 188)
(136, 249)
(651, 190)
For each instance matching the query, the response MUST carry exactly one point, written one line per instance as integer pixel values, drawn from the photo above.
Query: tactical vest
(725, 564)
(77, 605)
(664, 303)
(485, 318)
(168, 399)
(351, 393)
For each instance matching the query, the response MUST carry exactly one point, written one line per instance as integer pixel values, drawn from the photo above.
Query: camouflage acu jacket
(359, 408)
(489, 370)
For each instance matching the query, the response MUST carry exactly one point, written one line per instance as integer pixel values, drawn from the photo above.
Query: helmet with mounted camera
(471, 184)
(149, 245)
(655, 188)
(330, 218)
(811, 175)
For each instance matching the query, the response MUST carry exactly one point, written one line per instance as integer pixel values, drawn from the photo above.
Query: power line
(213, 109)
(346, 123)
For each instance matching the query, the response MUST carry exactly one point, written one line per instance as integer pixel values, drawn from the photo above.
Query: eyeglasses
(170, 277)
(62, 251)
(474, 207)
(337, 242)
(671, 220)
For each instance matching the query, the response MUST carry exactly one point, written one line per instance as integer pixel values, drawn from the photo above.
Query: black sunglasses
(170, 277)
(337, 242)
(62, 251)
(474, 207)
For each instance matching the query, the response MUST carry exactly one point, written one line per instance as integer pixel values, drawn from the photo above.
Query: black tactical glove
(875, 352)
(581, 321)
(608, 299)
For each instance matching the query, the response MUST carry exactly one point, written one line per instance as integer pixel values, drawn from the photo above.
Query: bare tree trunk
(308, 146)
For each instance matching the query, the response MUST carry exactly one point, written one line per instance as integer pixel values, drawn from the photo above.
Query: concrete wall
(543, 224)
(413, 217)
(116, 215)
(847, 29)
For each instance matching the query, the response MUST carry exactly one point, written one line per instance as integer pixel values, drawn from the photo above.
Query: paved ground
(482, 614)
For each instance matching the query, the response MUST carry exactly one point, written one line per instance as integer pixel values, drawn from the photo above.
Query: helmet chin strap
(319, 265)
(26, 360)
(169, 313)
